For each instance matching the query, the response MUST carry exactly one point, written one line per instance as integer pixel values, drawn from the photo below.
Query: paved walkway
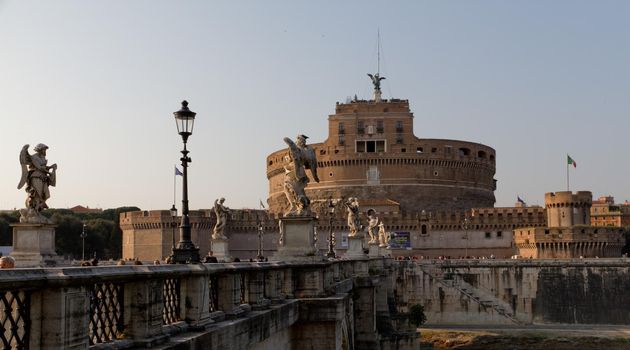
(579, 330)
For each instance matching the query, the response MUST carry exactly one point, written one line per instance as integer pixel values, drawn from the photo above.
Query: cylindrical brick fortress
(372, 153)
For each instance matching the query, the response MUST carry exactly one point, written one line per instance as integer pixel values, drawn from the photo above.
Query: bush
(416, 315)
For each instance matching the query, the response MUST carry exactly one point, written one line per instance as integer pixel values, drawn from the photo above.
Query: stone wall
(514, 291)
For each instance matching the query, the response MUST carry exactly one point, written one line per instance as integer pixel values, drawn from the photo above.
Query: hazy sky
(97, 81)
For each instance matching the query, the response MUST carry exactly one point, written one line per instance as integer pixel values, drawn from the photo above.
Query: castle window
(464, 152)
(488, 234)
(399, 126)
(342, 129)
(399, 139)
(360, 128)
(546, 232)
(499, 234)
(379, 127)
(380, 146)
(403, 150)
(447, 149)
(419, 150)
(423, 229)
(371, 146)
(481, 154)
(342, 139)
(492, 157)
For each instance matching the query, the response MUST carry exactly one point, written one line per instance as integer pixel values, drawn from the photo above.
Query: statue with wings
(376, 80)
(37, 175)
(222, 212)
(299, 158)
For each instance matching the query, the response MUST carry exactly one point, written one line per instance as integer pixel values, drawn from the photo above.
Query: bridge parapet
(148, 305)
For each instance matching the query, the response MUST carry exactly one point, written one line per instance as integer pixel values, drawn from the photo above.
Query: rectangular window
(488, 234)
(380, 146)
(379, 127)
(371, 146)
(499, 234)
(419, 150)
(342, 139)
(342, 129)
(447, 150)
(399, 126)
(360, 128)
(360, 146)
(399, 139)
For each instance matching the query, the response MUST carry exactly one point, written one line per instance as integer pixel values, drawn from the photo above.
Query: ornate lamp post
(331, 234)
(465, 226)
(173, 211)
(185, 252)
(261, 232)
(83, 235)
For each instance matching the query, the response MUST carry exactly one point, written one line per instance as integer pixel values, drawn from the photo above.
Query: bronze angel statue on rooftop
(37, 175)
(299, 158)
(376, 80)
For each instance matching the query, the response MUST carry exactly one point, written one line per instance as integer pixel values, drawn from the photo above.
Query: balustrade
(82, 307)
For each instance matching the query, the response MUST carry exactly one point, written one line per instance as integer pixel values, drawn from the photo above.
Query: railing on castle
(90, 307)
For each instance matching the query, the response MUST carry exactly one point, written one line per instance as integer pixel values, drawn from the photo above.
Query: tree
(68, 234)
(416, 315)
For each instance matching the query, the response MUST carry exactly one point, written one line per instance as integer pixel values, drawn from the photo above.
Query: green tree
(68, 235)
(416, 315)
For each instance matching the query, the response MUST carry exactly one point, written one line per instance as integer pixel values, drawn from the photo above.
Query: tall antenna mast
(378, 54)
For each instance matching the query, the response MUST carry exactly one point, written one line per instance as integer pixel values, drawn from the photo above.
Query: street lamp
(83, 235)
(261, 232)
(173, 215)
(465, 226)
(331, 234)
(185, 252)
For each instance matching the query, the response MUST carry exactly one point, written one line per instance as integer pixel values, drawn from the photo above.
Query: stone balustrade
(147, 305)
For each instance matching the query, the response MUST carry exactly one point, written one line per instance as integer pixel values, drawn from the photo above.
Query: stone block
(297, 240)
(355, 249)
(34, 245)
(221, 250)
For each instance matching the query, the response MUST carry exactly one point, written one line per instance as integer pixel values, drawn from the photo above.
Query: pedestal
(34, 245)
(375, 251)
(355, 248)
(297, 240)
(220, 250)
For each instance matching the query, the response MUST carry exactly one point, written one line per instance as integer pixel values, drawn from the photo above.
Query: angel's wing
(371, 76)
(25, 160)
(311, 162)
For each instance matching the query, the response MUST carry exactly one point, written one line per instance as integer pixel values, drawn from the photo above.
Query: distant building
(79, 209)
(568, 233)
(605, 212)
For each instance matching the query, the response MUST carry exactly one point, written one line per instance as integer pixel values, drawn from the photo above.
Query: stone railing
(141, 306)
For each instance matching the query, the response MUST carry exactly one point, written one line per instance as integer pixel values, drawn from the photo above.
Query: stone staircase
(484, 298)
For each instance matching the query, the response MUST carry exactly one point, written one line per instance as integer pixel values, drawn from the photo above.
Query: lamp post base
(186, 255)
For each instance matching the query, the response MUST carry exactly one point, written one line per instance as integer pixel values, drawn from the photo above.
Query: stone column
(196, 308)
(143, 312)
(63, 315)
(256, 291)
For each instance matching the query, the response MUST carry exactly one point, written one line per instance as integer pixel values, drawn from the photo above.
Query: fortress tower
(565, 209)
(372, 153)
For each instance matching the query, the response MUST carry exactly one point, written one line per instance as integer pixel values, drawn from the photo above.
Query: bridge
(338, 304)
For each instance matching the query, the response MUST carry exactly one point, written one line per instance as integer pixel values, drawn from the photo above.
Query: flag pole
(568, 173)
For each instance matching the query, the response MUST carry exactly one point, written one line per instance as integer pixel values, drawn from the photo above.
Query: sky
(98, 81)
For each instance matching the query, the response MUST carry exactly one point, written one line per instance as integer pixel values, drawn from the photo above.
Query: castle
(435, 197)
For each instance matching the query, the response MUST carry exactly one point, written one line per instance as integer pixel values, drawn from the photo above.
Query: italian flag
(571, 161)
